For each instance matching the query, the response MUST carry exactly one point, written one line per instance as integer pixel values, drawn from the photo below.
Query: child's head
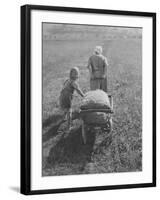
(98, 50)
(74, 73)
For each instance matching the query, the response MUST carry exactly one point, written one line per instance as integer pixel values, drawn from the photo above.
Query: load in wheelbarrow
(96, 112)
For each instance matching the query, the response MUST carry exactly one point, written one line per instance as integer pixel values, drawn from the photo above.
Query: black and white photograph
(92, 99)
(79, 100)
(88, 99)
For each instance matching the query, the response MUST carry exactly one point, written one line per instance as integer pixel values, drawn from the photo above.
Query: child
(66, 95)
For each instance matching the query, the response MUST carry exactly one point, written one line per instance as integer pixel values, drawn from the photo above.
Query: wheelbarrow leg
(83, 132)
(69, 119)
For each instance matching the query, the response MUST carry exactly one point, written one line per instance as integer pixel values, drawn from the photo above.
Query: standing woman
(97, 65)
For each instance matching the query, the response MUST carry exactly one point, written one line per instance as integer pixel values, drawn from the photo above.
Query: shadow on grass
(52, 131)
(71, 149)
(52, 124)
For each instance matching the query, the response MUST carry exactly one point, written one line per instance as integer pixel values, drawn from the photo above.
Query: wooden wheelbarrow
(96, 118)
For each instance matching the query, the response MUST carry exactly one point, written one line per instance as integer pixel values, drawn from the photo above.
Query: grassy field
(69, 46)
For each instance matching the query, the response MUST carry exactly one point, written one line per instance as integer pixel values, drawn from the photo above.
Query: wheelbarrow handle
(96, 110)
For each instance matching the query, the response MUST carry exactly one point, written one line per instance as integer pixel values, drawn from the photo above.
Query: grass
(121, 151)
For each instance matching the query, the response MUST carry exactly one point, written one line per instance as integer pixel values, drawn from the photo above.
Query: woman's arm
(90, 68)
